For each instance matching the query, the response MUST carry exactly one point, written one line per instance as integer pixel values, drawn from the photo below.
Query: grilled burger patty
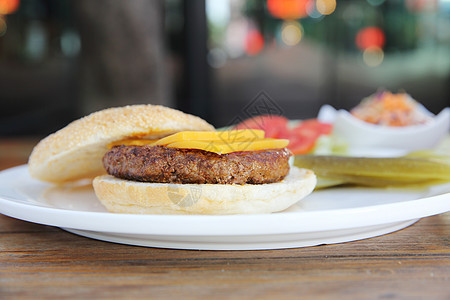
(172, 165)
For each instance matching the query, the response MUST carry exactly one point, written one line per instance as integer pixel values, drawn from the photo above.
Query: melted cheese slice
(220, 142)
(225, 136)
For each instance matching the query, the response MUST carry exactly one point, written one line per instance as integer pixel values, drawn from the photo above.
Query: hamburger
(149, 159)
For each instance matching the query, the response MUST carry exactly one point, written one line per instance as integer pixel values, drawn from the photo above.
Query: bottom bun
(124, 196)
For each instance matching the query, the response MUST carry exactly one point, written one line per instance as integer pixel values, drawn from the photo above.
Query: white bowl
(362, 135)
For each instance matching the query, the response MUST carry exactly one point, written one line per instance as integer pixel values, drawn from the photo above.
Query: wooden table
(39, 261)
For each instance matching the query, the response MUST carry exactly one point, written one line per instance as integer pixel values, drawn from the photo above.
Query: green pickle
(417, 169)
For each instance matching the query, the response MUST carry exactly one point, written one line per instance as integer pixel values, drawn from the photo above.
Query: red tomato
(301, 144)
(305, 135)
(302, 137)
(274, 126)
(323, 128)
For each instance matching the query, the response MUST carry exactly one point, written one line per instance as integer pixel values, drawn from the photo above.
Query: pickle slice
(407, 170)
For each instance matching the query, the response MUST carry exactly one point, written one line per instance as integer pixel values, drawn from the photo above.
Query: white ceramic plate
(325, 217)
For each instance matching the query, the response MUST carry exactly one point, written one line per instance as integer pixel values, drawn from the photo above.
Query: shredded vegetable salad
(388, 109)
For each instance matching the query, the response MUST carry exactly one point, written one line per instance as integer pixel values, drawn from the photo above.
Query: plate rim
(280, 223)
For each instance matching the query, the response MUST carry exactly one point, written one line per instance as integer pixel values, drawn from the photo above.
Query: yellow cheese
(221, 142)
(230, 135)
(226, 136)
(221, 147)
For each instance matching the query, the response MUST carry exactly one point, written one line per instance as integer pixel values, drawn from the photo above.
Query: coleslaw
(388, 109)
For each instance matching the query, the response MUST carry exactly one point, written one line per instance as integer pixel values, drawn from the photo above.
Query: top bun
(76, 151)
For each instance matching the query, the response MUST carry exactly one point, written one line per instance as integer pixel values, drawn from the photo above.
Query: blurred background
(61, 59)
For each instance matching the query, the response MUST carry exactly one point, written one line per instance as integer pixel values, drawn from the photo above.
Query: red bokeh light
(288, 9)
(8, 6)
(254, 42)
(370, 37)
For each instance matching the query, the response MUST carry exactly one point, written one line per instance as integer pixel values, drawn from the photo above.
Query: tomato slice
(302, 138)
(274, 126)
(305, 135)
(301, 145)
(314, 124)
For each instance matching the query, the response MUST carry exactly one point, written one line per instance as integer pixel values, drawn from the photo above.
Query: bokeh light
(288, 9)
(254, 42)
(36, 41)
(370, 37)
(8, 6)
(235, 36)
(326, 7)
(70, 43)
(291, 33)
(312, 11)
(218, 12)
(373, 56)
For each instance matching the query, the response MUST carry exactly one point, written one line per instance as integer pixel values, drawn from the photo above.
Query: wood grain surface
(38, 261)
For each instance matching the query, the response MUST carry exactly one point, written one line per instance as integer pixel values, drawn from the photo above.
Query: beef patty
(172, 165)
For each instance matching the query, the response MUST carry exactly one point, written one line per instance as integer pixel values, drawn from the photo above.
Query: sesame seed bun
(76, 151)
